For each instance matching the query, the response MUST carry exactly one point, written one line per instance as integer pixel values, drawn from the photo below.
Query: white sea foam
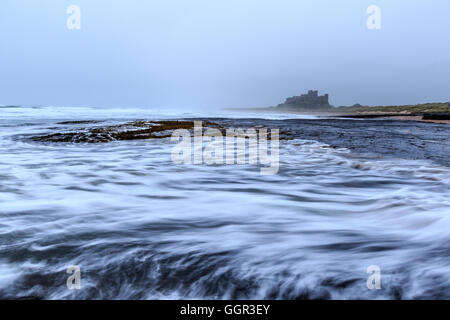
(141, 227)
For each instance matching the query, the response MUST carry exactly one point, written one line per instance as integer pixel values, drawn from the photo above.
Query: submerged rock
(128, 131)
(137, 130)
(437, 116)
(79, 122)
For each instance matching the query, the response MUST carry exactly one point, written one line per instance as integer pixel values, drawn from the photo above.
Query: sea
(359, 209)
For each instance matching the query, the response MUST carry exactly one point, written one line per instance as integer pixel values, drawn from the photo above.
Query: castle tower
(311, 100)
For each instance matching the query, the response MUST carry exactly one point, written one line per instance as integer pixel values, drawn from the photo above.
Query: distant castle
(308, 101)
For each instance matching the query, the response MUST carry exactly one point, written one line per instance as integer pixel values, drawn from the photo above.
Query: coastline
(441, 116)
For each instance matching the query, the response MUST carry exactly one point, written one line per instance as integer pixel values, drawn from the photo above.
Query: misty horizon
(202, 55)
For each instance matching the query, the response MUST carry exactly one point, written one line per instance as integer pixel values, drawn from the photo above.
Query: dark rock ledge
(129, 131)
(136, 130)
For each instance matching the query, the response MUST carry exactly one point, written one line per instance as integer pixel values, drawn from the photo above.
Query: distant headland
(309, 101)
(312, 103)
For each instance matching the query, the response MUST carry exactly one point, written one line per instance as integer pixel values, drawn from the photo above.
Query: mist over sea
(349, 194)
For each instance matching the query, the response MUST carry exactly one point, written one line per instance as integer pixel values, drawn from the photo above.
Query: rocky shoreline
(93, 131)
(399, 139)
(135, 130)
(437, 117)
(386, 113)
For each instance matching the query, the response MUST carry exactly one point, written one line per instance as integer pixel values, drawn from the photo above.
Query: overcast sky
(200, 54)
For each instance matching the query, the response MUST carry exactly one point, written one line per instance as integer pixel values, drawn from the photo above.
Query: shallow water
(141, 227)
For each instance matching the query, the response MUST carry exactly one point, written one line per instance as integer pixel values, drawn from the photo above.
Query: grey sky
(200, 54)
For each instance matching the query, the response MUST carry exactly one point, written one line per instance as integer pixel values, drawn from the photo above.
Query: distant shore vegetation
(417, 108)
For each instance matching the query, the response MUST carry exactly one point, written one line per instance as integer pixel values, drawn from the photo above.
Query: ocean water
(141, 227)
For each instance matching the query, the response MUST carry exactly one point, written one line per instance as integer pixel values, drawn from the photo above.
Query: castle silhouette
(309, 101)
